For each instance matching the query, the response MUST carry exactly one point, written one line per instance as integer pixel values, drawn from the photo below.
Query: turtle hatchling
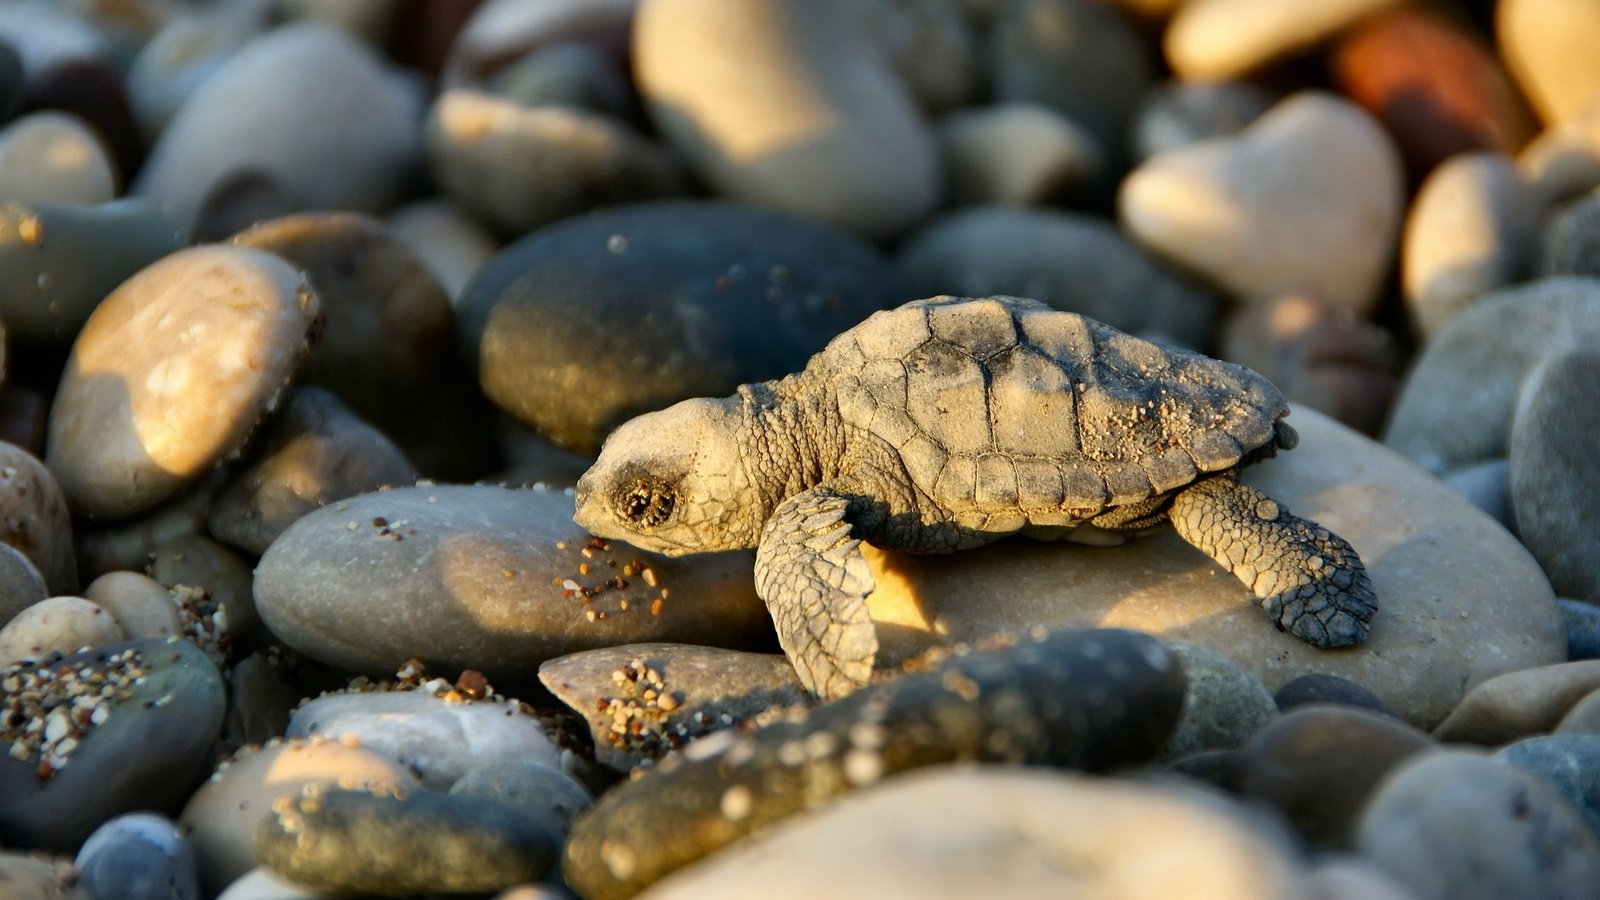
(946, 424)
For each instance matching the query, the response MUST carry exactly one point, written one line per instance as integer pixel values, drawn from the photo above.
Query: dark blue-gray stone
(598, 318)
(1319, 687)
(1084, 699)
(353, 842)
(1569, 762)
(138, 856)
(1583, 628)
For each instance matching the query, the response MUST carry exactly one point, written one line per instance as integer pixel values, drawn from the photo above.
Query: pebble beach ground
(314, 311)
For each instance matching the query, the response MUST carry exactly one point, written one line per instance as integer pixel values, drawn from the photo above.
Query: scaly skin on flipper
(1310, 581)
(811, 574)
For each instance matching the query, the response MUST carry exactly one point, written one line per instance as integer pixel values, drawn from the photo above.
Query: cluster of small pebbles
(312, 312)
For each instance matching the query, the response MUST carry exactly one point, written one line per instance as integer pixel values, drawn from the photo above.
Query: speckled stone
(171, 373)
(58, 262)
(1569, 762)
(582, 325)
(1030, 703)
(955, 831)
(1555, 478)
(1071, 261)
(1211, 40)
(267, 107)
(387, 325)
(1471, 230)
(54, 157)
(1583, 628)
(476, 577)
(147, 755)
(223, 814)
(1223, 704)
(1078, 57)
(21, 585)
(1456, 405)
(1218, 206)
(435, 738)
(1520, 703)
(524, 167)
(1459, 599)
(1319, 764)
(1570, 244)
(354, 842)
(138, 856)
(774, 104)
(1319, 687)
(1459, 825)
(643, 700)
(314, 452)
(34, 518)
(57, 625)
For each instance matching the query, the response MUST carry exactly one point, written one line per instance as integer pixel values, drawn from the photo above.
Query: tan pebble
(62, 624)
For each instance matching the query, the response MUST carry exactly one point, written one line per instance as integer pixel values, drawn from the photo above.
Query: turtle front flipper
(1310, 580)
(815, 582)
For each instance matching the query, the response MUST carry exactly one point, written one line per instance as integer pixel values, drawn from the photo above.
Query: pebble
(1319, 687)
(572, 73)
(1471, 231)
(138, 856)
(930, 44)
(643, 700)
(1179, 113)
(223, 814)
(541, 793)
(1459, 825)
(191, 564)
(436, 732)
(188, 49)
(11, 80)
(1219, 207)
(524, 167)
(774, 104)
(386, 325)
(1488, 486)
(34, 518)
(1459, 599)
(446, 239)
(486, 578)
(1549, 46)
(140, 604)
(1583, 628)
(1555, 481)
(1212, 40)
(1520, 703)
(1013, 154)
(1223, 704)
(1349, 877)
(47, 33)
(354, 842)
(1080, 699)
(21, 585)
(262, 883)
(267, 107)
(1569, 762)
(1456, 405)
(54, 157)
(141, 745)
(172, 372)
(499, 31)
(1072, 261)
(1564, 159)
(57, 262)
(1318, 765)
(1320, 355)
(1570, 244)
(313, 453)
(260, 699)
(1434, 83)
(1078, 57)
(128, 543)
(56, 625)
(989, 831)
(91, 89)
(34, 876)
(1583, 717)
(582, 325)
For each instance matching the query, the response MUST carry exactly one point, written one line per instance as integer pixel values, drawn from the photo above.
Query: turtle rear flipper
(815, 582)
(1310, 580)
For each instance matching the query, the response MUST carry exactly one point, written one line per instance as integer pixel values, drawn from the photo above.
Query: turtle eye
(646, 506)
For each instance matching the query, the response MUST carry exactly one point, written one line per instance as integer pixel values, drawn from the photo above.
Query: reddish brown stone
(1434, 83)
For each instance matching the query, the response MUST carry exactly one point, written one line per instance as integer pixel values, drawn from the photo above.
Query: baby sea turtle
(949, 423)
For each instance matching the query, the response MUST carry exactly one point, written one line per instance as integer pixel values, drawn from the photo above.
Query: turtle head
(673, 482)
